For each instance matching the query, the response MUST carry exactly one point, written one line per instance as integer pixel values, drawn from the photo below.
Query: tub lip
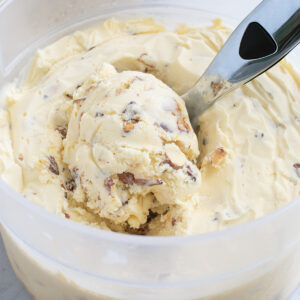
(138, 240)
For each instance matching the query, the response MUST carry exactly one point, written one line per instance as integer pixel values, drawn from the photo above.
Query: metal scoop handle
(263, 38)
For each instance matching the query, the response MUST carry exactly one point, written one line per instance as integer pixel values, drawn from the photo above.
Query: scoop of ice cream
(130, 148)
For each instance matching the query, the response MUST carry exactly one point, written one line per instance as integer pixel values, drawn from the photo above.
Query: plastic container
(58, 259)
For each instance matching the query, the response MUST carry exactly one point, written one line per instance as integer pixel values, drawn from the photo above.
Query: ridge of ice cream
(90, 137)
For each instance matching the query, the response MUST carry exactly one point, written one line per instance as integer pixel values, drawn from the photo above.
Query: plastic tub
(58, 259)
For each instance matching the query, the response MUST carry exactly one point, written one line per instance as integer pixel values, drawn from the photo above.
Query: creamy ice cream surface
(96, 132)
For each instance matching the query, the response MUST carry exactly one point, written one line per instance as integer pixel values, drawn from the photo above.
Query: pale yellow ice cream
(115, 149)
(130, 149)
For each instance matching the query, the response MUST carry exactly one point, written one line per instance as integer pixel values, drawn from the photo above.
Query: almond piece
(130, 116)
(181, 123)
(173, 222)
(53, 167)
(79, 101)
(147, 182)
(70, 185)
(62, 131)
(108, 183)
(218, 156)
(126, 178)
(129, 178)
(174, 156)
(91, 88)
(128, 126)
(69, 96)
(191, 174)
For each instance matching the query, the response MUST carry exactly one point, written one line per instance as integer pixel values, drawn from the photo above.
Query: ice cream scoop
(262, 39)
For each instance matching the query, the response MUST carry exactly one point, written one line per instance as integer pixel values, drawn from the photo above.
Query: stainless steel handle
(263, 38)
(280, 19)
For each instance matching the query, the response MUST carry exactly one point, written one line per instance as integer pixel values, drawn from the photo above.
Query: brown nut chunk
(108, 183)
(130, 116)
(181, 123)
(126, 178)
(148, 182)
(129, 178)
(171, 164)
(128, 126)
(191, 174)
(53, 167)
(218, 156)
(79, 101)
(62, 131)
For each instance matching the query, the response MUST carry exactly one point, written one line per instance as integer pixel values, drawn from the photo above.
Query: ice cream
(95, 138)
(130, 150)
